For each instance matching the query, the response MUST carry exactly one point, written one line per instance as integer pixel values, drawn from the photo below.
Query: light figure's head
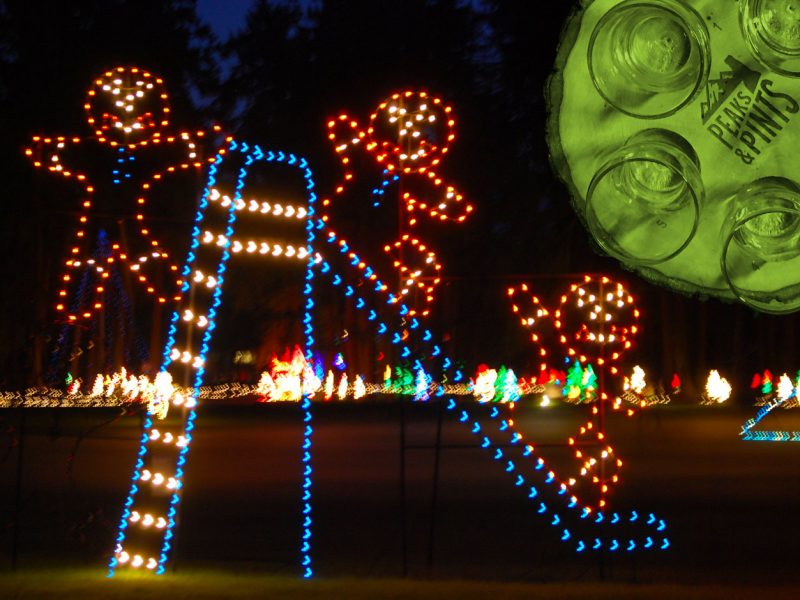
(411, 130)
(127, 106)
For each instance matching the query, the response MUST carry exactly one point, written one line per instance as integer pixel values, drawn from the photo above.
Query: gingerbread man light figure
(117, 171)
(407, 137)
(595, 322)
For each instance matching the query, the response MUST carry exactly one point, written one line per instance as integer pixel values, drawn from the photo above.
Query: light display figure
(595, 323)
(119, 172)
(407, 137)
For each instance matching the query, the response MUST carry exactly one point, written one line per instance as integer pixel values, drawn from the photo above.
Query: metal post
(435, 491)
(18, 492)
(403, 531)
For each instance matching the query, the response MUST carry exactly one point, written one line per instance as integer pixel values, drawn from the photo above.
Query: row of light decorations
(288, 380)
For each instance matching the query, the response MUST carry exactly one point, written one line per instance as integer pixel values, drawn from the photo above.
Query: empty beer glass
(771, 29)
(761, 245)
(649, 58)
(643, 204)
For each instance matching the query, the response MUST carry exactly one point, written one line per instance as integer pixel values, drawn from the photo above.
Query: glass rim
(750, 28)
(756, 27)
(616, 162)
(737, 291)
(769, 41)
(675, 7)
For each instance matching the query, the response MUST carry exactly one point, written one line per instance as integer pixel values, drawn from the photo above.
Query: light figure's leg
(150, 512)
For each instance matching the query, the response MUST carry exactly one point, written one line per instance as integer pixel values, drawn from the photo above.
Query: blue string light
(560, 507)
(308, 430)
(379, 191)
(198, 361)
(750, 435)
(571, 503)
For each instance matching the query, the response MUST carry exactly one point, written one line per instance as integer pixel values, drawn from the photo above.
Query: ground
(730, 507)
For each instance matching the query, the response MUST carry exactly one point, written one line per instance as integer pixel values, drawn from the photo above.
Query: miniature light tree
(766, 383)
(675, 384)
(785, 387)
(484, 388)
(359, 389)
(404, 381)
(588, 384)
(311, 380)
(343, 385)
(638, 382)
(387, 378)
(574, 383)
(717, 388)
(510, 387)
(423, 382)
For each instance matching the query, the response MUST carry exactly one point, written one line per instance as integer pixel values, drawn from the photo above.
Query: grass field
(90, 584)
(731, 509)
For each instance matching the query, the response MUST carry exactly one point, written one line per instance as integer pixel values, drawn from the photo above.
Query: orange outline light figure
(408, 135)
(128, 110)
(595, 322)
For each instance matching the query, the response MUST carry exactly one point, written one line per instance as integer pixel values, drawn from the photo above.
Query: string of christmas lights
(184, 357)
(128, 111)
(603, 531)
(407, 136)
(51, 397)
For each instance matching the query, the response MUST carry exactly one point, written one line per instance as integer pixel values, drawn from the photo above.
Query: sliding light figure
(595, 322)
(407, 137)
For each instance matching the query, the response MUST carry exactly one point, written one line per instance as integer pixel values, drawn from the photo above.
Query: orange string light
(407, 136)
(595, 322)
(126, 107)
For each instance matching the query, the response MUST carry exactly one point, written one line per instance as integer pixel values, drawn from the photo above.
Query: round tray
(583, 129)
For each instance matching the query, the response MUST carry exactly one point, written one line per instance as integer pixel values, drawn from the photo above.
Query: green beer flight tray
(583, 129)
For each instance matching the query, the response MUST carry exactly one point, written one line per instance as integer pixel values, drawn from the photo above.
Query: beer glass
(771, 29)
(761, 245)
(643, 204)
(649, 58)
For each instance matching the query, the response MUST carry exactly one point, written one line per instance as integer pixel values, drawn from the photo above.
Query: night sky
(224, 16)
